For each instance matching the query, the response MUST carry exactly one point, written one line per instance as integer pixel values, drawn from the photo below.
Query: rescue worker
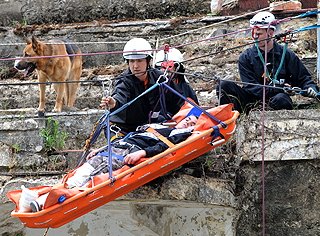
(171, 61)
(290, 72)
(134, 81)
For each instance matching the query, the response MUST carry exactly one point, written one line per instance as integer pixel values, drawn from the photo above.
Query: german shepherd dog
(53, 69)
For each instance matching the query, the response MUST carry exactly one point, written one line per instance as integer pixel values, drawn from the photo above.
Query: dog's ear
(35, 44)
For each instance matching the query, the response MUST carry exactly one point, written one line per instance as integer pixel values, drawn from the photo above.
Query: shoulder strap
(160, 136)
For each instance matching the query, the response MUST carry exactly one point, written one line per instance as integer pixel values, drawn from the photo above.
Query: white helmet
(137, 48)
(173, 55)
(263, 20)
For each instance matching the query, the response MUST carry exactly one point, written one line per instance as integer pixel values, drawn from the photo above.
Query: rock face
(46, 11)
(291, 181)
(291, 198)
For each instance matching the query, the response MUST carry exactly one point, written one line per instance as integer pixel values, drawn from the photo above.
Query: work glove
(312, 92)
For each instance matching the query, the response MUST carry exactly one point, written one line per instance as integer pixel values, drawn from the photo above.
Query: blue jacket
(292, 72)
(127, 88)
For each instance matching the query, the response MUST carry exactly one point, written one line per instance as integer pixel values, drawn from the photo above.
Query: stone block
(285, 6)
(5, 155)
(288, 135)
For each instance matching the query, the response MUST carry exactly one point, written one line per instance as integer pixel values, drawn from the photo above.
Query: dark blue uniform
(251, 70)
(127, 88)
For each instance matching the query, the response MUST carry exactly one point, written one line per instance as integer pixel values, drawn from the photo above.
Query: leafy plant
(16, 148)
(54, 139)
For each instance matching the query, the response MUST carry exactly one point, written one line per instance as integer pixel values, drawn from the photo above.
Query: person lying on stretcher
(145, 142)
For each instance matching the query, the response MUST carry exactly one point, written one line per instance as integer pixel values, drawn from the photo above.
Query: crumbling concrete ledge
(288, 135)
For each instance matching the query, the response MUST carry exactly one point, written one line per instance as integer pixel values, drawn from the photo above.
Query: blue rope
(306, 14)
(109, 147)
(107, 123)
(310, 27)
(100, 127)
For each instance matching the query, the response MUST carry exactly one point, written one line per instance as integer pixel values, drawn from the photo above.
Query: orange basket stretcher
(83, 200)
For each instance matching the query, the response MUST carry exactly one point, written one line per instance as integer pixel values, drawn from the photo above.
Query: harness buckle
(115, 129)
(162, 76)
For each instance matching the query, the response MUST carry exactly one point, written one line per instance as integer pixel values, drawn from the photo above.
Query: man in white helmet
(170, 60)
(280, 74)
(134, 81)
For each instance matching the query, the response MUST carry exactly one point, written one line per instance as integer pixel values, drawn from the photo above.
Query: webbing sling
(275, 79)
(160, 136)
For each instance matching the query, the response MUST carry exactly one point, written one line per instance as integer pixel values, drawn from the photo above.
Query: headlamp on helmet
(263, 20)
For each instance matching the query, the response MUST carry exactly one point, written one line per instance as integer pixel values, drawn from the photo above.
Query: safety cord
(110, 164)
(92, 138)
(107, 111)
(273, 80)
(46, 232)
(285, 47)
(263, 128)
(94, 133)
(106, 123)
(168, 66)
(161, 99)
(266, 72)
(309, 27)
(306, 14)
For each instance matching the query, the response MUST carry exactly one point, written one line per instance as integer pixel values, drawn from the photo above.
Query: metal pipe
(318, 45)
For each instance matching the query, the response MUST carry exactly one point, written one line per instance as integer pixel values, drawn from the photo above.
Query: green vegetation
(23, 22)
(16, 148)
(54, 139)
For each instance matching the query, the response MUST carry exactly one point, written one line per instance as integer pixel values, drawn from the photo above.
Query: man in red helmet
(172, 60)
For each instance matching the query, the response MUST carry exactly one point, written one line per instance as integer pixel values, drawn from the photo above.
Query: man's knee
(281, 101)
(226, 86)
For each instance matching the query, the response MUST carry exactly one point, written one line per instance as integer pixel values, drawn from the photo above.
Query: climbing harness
(273, 80)
(159, 136)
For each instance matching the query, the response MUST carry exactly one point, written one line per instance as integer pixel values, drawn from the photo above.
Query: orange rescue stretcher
(102, 189)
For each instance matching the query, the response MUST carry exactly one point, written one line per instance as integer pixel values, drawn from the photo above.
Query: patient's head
(187, 122)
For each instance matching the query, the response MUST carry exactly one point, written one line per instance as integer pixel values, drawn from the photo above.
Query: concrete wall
(61, 11)
(289, 135)
(291, 184)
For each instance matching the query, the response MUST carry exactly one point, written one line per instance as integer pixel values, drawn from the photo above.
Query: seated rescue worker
(147, 141)
(284, 70)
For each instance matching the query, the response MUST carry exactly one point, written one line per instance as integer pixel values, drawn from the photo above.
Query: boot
(37, 205)
(27, 196)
